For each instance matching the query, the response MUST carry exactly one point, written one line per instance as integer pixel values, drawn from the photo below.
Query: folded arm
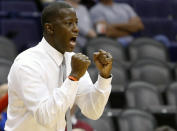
(123, 29)
(133, 25)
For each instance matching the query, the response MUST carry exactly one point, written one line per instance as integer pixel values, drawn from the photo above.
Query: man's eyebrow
(67, 18)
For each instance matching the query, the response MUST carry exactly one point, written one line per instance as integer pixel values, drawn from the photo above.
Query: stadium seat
(102, 124)
(147, 48)
(143, 95)
(107, 44)
(18, 6)
(152, 8)
(175, 29)
(120, 78)
(172, 94)
(136, 120)
(23, 32)
(4, 70)
(174, 5)
(152, 71)
(156, 26)
(7, 49)
(93, 72)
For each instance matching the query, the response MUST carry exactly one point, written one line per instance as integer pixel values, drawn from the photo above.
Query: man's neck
(49, 40)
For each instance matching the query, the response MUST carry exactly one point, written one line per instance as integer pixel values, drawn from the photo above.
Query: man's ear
(49, 28)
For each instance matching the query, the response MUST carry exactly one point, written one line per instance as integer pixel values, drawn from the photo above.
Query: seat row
(130, 119)
(157, 73)
(140, 48)
(144, 111)
(24, 33)
(148, 61)
(153, 8)
(162, 26)
(144, 8)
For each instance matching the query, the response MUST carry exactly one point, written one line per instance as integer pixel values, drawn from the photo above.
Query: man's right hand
(79, 65)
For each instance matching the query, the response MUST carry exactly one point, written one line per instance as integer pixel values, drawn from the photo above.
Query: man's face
(65, 30)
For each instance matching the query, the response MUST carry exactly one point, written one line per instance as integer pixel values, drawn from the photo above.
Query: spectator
(84, 23)
(116, 20)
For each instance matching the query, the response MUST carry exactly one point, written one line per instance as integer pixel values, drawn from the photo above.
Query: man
(39, 95)
(115, 20)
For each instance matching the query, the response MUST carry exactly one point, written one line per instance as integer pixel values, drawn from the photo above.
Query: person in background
(116, 20)
(45, 81)
(86, 30)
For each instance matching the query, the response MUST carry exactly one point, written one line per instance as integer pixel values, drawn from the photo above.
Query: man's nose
(75, 29)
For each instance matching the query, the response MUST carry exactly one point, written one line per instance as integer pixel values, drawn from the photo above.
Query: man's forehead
(64, 12)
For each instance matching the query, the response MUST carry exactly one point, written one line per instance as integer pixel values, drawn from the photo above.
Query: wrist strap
(72, 78)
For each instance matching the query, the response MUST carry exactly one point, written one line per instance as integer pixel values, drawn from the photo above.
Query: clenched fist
(103, 61)
(79, 65)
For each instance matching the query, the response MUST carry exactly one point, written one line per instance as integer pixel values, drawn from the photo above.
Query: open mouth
(73, 41)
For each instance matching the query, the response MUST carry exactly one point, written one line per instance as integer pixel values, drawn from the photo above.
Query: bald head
(51, 12)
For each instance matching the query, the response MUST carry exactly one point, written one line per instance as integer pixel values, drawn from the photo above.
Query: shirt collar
(53, 53)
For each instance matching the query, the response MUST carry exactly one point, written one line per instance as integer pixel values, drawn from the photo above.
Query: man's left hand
(103, 61)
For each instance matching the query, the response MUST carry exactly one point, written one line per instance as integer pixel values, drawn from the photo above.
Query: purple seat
(152, 71)
(174, 9)
(18, 6)
(143, 95)
(24, 32)
(172, 94)
(152, 8)
(154, 26)
(136, 120)
(175, 29)
(4, 70)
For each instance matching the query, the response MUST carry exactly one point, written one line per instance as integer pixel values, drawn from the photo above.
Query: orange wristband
(72, 78)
